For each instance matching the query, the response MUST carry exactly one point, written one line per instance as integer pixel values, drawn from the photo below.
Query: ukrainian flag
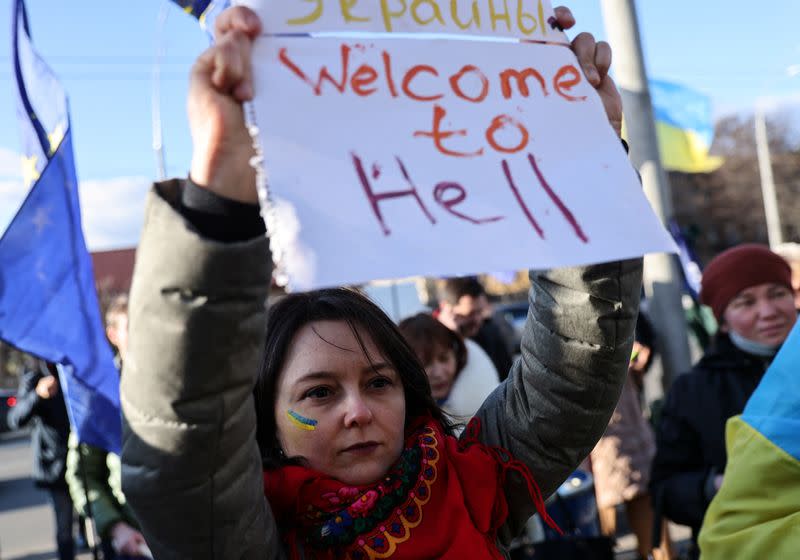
(756, 513)
(685, 128)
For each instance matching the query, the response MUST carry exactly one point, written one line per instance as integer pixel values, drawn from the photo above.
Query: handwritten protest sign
(519, 19)
(389, 157)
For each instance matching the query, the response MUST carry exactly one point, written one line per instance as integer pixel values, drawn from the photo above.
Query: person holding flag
(40, 403)
(48, 302)
(749, 289)
(756, 513)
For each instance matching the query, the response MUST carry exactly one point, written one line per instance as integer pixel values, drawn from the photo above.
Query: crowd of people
(320, 429)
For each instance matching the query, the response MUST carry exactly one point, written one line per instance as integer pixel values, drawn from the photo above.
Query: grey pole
(767, 181)
(661, 275)
(158, 133)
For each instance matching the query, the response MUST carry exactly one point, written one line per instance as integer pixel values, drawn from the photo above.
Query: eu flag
(48, 303)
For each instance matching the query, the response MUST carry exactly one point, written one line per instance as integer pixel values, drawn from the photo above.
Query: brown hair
(426, 335)
(453, 289)
(293, 312)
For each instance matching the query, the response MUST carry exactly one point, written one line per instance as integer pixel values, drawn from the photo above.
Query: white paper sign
(389, 158)
(519, 19)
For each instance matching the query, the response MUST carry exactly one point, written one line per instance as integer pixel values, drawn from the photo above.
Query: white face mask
(751, 347)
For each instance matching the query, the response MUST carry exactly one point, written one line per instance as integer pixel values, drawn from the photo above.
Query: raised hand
(221, 81)
(595, 60)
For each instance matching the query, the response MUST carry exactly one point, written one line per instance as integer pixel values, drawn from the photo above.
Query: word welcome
(523, 17)
(450, 194)
(470, 83)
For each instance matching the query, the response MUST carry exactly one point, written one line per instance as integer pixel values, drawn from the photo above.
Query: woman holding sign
(343, 453)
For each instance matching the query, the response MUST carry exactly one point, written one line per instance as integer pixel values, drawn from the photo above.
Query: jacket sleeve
(89, 464)
(191, 469)
(27, 402)
(678, 477)
(561, 392)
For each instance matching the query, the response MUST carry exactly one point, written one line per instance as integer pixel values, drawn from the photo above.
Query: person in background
(464, 308)
(749, 288)
(93, 474)
(459, 371)
(621, 459)
(40, 402)
(791, 253)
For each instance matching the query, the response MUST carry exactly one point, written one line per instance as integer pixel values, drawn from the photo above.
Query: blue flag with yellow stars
(48, 303)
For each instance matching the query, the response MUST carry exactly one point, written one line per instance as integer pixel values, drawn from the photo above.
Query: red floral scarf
(442, 499)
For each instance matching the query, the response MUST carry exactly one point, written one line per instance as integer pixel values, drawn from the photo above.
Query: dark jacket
(493, 340)
(690, 437)
(50, 429)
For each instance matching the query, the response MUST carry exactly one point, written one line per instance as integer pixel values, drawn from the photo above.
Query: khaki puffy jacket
(191, 467)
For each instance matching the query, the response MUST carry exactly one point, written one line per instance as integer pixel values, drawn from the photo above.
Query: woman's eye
(780, 293)
(380, 382)
(318, 393)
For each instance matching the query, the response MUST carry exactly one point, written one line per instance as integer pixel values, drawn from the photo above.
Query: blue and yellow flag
(756, 513)
(685, 128)
(48, 303)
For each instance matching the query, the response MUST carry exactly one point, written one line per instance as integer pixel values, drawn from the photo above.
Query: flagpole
(158, 133)
(89, 512)
(662, 279)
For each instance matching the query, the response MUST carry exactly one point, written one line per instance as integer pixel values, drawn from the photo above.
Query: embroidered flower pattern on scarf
(371, 523)
(320, 517)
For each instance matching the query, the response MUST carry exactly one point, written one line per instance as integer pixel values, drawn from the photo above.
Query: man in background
(94, 474)
(40, 402)
(464, 308)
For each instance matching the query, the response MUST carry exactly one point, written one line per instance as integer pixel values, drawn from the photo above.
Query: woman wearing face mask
(341, 450)
(460, 373)
(749, 289)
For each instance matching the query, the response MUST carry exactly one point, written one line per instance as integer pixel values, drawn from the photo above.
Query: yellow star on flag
(56, 137)
(29, 171)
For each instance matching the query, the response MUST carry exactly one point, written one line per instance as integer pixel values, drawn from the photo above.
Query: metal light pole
(662, 277)
(767, 181)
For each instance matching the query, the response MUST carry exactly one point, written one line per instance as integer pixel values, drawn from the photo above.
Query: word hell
(432, 15)
(449, 195)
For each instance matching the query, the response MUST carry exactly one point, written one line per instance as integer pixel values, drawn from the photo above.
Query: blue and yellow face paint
(301, 421)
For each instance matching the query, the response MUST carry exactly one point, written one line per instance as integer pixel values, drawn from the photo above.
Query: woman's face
(441, 371)
(763, 314)
(341, 411)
